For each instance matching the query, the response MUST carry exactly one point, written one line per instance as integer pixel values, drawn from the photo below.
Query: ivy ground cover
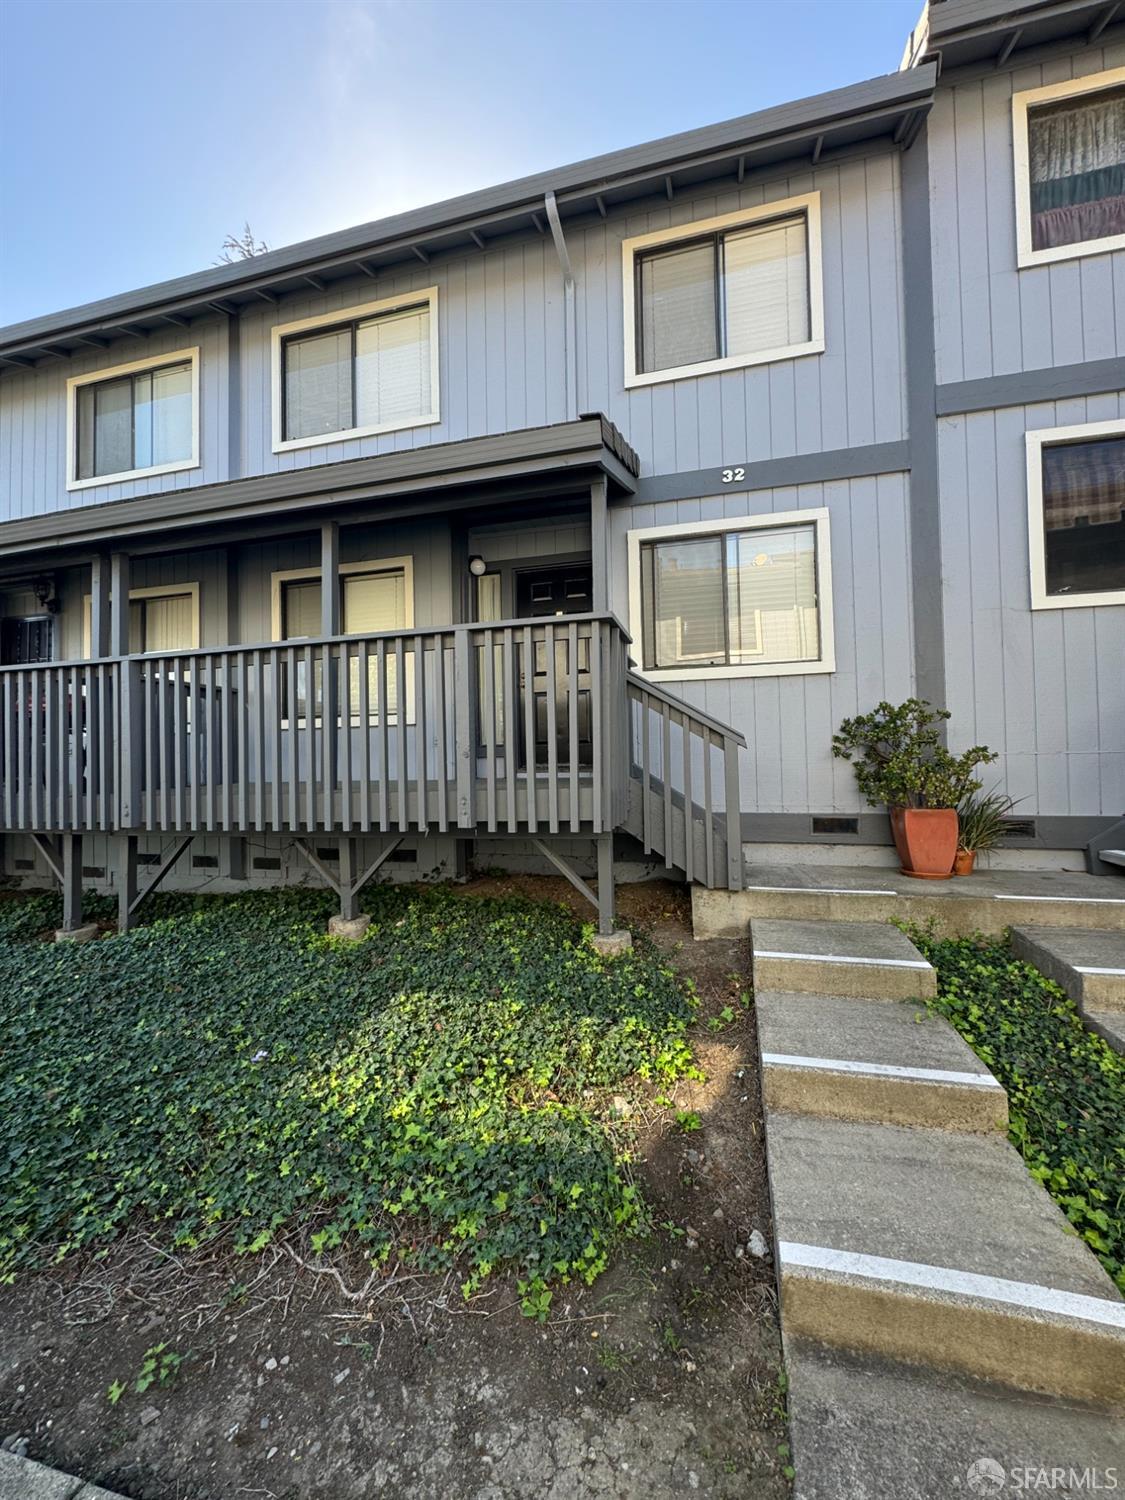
(1066, 1086)
(440, 1092)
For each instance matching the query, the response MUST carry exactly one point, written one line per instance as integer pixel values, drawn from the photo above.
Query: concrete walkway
(932, 1293)
(23, 1479)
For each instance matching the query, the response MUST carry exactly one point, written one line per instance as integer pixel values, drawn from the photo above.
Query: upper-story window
(134, 420)
(746, 598)
(1070, 168)
(373, 370)
(740, 289)
(1076, 514)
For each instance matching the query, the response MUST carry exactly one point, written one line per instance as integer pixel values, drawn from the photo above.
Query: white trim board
(841, 958)
(1036, 441)
(340, 318)
(113, 372)
(817, 517)
(881, 1070)
(946, 1279)
(1051, 93)
(807, 204)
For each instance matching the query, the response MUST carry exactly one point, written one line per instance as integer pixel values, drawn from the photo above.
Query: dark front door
(544, 593)
(26, 640)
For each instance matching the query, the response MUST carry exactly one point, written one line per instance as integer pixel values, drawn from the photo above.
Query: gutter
(570, 305)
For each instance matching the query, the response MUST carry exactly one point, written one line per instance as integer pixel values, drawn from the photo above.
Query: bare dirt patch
(302, 1376)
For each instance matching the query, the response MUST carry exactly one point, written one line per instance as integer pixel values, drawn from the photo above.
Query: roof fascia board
(1035, 52)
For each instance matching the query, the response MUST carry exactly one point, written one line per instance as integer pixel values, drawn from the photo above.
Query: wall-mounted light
(45, 595)
(477, 566)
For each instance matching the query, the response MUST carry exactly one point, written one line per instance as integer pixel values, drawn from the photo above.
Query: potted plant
(980, 827)
(900, 761)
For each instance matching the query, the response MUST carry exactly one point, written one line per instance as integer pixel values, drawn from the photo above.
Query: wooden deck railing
(517, 726)
(685, 776)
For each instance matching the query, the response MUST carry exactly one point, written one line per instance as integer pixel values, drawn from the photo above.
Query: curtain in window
(318, 384)
(162, 416)
(678, 316)
(1076, 152)
(766, 287)
(771, 596)
(392, 368)
(1084, 516)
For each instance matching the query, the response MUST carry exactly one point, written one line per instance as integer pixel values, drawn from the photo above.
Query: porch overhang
(506, 466)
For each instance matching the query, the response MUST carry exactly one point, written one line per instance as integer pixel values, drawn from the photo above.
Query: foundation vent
(845, 827)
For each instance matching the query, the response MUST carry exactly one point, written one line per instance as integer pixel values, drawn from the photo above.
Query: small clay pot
(963, 861)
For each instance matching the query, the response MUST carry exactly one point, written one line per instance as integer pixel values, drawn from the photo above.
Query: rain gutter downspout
(570, 311)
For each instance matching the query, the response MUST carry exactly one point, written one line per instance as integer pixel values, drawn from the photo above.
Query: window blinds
(766, 287)
(318, 384)
(392, 368)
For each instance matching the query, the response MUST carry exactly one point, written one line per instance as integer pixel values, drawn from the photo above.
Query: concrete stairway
(911, 1240)
(1087, 965)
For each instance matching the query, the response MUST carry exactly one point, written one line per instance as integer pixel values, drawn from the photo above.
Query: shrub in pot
(900, 762)
(980, 827)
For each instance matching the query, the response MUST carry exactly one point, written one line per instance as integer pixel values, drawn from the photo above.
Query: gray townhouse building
(567, 519)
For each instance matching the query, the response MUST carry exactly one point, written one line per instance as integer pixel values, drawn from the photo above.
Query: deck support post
(71, 881)
(99, 607)
(605, 884)
(348, 893)
(126, 881)
(330, 625)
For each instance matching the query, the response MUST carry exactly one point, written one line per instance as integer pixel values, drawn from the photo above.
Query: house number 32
(732, 476)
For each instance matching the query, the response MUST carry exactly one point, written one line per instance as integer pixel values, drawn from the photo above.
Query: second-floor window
(135, 419)
(1070, 167)
(741, 289)
(371, 373)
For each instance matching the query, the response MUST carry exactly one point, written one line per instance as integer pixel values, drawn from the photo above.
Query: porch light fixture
(477, 566)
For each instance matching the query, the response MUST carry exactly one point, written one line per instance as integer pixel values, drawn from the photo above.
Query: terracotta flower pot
(963, 861)
(926, 840)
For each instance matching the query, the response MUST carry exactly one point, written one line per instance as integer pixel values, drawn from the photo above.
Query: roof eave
(890, 106)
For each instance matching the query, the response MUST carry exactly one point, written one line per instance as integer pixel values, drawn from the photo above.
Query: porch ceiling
(443, 476)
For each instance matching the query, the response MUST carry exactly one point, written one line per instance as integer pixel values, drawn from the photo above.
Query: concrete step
(867, 1428)
(938, 1248)
(1089, 965)
(988, 901)
(870, 960)
(852, 1059)
(1109, 1024)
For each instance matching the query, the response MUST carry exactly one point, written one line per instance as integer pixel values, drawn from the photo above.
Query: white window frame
(805, 203)
(1052, 437)
(1027, 99)
(817, 517)
(403, 565)
(339, 318)
(114, 372)
(154, 591)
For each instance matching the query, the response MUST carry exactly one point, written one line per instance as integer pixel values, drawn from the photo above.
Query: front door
(26, 640)
(546, 593)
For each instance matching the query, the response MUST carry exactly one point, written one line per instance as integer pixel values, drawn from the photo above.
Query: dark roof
(890, 106)
(957, 33)
(569, 453)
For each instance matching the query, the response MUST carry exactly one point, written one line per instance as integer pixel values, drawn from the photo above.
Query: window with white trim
(1076, 515)
(371, 370)
(136, 419)
(733, 599)
(375, 597)
(740, 289)
(163, 618)
(1070, 168)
